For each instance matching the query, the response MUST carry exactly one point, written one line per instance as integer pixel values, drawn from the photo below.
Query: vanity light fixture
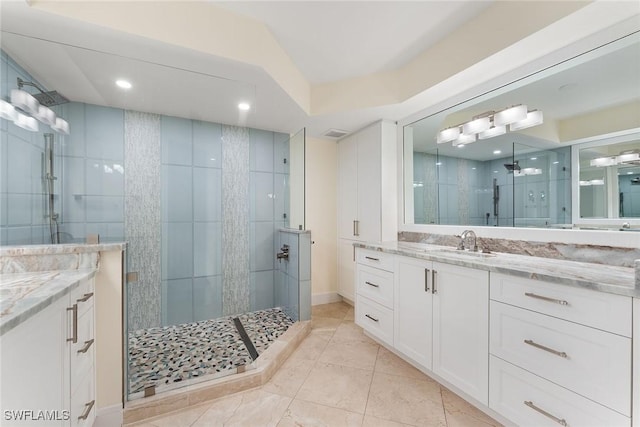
(591, 182)
(464, 139)
(490, 124)
(25, 108)
(244, 106)
(492, 131)
(26, 122)
(24, 101)
(497, 152)
(527, 171)
(624, 158)
(7, 111)
(534, 118)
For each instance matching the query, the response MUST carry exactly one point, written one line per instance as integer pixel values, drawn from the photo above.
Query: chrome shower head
(46, 98)
(512, 167)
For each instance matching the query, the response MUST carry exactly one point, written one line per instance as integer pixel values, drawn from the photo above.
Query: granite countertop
(599, 277)
(22, 295)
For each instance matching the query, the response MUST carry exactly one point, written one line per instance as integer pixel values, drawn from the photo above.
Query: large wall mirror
(557, 149)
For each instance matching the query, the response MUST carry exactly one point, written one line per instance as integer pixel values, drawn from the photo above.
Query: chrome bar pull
(426, 279)
(372, 284)
(547, 349)
(557, 301)
(86, 297)
(354, 227)
(74, 337)
(434, 290)
(87, 410)
(372, 318)
(560, 421)
(357, 227)
(87, 345)
(372, 259)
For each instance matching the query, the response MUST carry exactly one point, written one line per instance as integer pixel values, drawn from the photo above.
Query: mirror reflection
(610, 180)
(504, 158)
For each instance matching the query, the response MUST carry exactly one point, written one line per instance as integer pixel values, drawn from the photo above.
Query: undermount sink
(469, 253)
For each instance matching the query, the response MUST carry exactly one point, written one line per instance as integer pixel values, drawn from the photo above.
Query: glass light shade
(603, 161)
(629, 157)
(493, 131)
(447, 135)
(61, 126)
(26, 122)
(25, 101)
(597, 182)
(534, 118)
(464, 139)
(510, 115)
(476, 126)
(46, 115)
(585, 183)
(7, 111)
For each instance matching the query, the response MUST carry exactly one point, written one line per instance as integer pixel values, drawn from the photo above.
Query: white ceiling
(327, 40)
(336, 40)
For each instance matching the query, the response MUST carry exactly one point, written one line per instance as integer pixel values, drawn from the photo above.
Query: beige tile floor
(336, 377)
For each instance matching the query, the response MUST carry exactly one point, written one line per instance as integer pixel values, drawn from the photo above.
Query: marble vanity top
(22, 295)
(599, 277)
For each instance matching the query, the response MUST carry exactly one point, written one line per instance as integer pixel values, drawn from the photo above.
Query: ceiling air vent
(335, 133)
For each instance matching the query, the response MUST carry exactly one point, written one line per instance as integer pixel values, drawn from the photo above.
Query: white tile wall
(176, 198)
(177, 140)
(177, 250)
(207, 249)
(207, 144)
(207, 189)
(104, 132)
(207, 297)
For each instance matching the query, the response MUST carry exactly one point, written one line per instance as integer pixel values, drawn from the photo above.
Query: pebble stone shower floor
(166, 357)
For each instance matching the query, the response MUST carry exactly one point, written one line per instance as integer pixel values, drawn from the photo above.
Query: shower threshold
(166, 358)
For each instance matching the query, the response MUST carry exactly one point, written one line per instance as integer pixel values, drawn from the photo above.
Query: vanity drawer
(83, 352)
(375, 259)
(83, 296)
(376, 285)
(510, 387)
(590, 362)
(374, 319)
(592, 308)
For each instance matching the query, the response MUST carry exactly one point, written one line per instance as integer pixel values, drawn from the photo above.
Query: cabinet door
(461, 328)
(35, 367)
(346, 269)
(369, 184)
(347, 187)
(413, 311)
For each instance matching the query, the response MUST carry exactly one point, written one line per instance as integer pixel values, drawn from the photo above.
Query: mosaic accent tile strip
(235, 220)
(463, 191)
(142, 226)
(174, 356)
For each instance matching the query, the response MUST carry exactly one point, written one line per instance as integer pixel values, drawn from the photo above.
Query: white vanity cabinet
(374, 294)
(440, 315)
(460, 328)
(559, 353)
(413, 310)
(48, 363)
(366, 196)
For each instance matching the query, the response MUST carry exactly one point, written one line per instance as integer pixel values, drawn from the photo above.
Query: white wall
(321, 172)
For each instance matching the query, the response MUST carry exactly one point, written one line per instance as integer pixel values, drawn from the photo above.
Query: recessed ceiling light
(123, 84)
(534, 158)
(497, 152)
(495, 171)
(555, 163)
(629, 173)
(244, 106)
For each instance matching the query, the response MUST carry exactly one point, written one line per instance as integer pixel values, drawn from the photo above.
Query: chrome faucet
(473, 247)
(283, 254)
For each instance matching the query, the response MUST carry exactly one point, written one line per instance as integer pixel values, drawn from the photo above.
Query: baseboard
(325, 298)
(109, 416)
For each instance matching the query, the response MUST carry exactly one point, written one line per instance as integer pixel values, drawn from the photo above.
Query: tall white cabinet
(367, 195)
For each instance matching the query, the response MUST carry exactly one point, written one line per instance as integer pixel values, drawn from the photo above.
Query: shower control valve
(283, 254)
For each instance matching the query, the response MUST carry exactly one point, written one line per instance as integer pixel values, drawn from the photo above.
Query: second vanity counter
(22, 295)
(599, 277)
